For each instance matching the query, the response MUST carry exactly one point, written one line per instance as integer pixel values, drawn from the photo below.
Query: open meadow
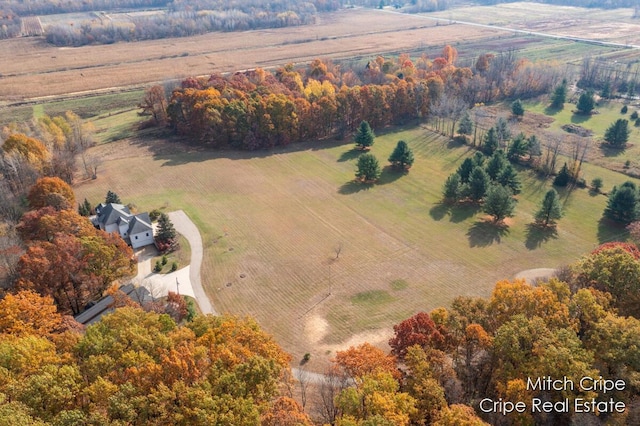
(272, 223)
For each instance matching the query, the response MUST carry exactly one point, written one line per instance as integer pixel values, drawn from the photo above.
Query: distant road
(526, 32)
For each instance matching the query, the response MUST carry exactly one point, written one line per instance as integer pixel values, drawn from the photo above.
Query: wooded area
(257, 109)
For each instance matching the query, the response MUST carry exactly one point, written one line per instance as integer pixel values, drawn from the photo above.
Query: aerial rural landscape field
(324, 261)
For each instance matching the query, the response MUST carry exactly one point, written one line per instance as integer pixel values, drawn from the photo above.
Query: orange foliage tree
(51, 191)
(26, 312)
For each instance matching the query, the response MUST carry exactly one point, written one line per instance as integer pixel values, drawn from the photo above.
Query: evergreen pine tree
(465, 169)
(618, 133)
(499, 202)
(496, 164)
(466, 125)
(624, 203)
(112, 197)
(491, 141)
(368, 168)
(517, 108)
(563, 177)
(452, 188)
(478, 184)
(402, 156)
(509, 178)
(364, 136)
(166, 232)
(550, 210)
(559, 95)
(586, 103)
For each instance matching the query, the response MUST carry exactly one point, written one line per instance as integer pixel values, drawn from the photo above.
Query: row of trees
(257, 109)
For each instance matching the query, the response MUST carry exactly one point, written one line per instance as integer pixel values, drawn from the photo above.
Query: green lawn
(607, 112)
(271, 221)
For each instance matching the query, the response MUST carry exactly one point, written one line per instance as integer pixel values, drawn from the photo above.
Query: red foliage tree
(630, 248)
(416, 330)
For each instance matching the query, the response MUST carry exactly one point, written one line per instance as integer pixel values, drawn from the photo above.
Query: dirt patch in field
(316, 329)
(533, 275)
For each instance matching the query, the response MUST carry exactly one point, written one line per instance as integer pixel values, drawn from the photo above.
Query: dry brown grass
(36, 69)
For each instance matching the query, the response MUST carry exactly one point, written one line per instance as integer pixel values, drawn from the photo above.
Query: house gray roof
(140, 223)
(120, 214)
(111, 213)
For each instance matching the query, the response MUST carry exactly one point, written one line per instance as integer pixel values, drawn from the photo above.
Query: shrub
(624, 110)
(154, 214)
(158, 267)
(596, 184)
(634, 115)
(563, 177)
(191, 310)
(164, 259)
(174, 266)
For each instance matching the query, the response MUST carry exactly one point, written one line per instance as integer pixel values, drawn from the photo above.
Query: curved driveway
(188, 229)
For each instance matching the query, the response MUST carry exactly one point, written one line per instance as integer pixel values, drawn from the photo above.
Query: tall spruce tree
(586, 103)
(499, 203)
(550, 210)
(368, 168)
(624, 203)
(364, 137)
(559, 95)
(112, 197)
(402, 156)
(563, 177)
(618, 133)
(166, 232)
(478, 184)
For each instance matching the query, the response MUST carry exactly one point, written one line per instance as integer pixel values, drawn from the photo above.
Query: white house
(134, 229)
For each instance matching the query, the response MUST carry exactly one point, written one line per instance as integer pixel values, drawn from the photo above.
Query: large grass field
(271, 223)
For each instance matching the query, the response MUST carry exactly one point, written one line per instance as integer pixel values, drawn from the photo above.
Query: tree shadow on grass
(439, 211)
(457, 212)
(610, 151)
(579, 118)
(390, 174)
(484, 233)
(609, 230)
(354, 186)
(352, 154)
(551, 110)
(462, 212)
(537, 234)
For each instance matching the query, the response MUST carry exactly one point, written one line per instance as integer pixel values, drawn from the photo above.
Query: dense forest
(258, 109)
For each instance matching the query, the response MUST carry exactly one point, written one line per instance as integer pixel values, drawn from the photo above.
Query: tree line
(258, 109)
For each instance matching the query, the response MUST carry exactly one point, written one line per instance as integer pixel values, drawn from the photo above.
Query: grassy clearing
(95, 106)
(116, 125)
(607, 114)
(271, 220)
